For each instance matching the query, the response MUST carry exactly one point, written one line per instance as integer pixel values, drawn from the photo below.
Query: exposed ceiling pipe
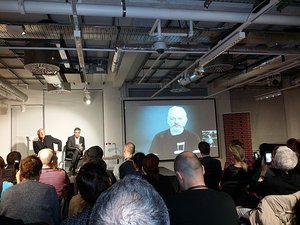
(233, 51)
(59, 8)
(264, 67)
(115, 61)
(20, 96)
(78, 41)
(291, 65)
(233, 38)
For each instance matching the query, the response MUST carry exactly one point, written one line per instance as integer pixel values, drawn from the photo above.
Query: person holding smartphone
(284, 180)
(3, 184)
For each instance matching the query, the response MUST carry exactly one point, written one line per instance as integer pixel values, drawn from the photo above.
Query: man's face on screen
(176, 120)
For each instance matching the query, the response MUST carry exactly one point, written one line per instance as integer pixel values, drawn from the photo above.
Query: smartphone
(268, 157)
(255, 155)
(16, 165)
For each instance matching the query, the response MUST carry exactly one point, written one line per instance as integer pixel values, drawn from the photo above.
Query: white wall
(272, 120)
(292, 110)
(34, 97)
(268, 117)
(112, 118)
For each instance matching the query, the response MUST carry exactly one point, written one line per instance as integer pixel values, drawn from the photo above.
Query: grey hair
(285, 158)
(130, 201)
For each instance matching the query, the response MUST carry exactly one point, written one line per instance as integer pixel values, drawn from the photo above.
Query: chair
(67, 156)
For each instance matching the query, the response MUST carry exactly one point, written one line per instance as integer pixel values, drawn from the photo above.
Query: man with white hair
(130, 201)
(285, 181)
(51, 175)
(45, 141)
(176, 139)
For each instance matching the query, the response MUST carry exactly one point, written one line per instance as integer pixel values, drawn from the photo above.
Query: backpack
(275, 210)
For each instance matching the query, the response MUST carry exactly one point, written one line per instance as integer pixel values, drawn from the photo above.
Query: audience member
(76, 145)
(129, 150)
(51, 175)
(96, 152)
(3, 184)
(10, 170)
(77, 203)
(212, 167)
(91, 181)
(236, 176)
(284, 181)
(296, 148)
(151, 173)
(138, 160)
(45, 141)
(198, 204)
(130, 201)
(128, 168)
(30, 200)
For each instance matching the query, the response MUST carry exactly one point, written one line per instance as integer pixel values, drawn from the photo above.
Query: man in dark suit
(76, 145)
(212, 167)
(45, 141)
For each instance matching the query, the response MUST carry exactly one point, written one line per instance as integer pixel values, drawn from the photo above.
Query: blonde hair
(46, 155)
(239, 155)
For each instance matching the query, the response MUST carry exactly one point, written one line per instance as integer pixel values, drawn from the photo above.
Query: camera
(160, 46)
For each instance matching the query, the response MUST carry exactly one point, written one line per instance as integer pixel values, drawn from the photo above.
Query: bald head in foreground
(198, 204)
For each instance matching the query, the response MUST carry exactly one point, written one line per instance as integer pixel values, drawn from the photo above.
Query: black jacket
(46, 143)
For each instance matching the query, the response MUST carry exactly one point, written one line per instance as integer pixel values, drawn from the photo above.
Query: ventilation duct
(41, 62)
(59, 88)
(19, 95)
(219, 65)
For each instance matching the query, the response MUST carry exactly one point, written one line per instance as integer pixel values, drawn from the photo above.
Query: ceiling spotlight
(87, 97)
(269, 95)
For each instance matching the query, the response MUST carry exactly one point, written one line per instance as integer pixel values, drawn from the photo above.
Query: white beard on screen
(176, 130)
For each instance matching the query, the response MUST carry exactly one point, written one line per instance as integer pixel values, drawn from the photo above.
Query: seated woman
(91, 181)
(236, 176)
(30, 200)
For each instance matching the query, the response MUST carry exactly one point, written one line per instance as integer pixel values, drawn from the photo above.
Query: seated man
(76, 144)
(198, 204)
(129, 150)
(132, 200)
(51, 175)
(45, 141)
(213, 169)
(30, 200)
